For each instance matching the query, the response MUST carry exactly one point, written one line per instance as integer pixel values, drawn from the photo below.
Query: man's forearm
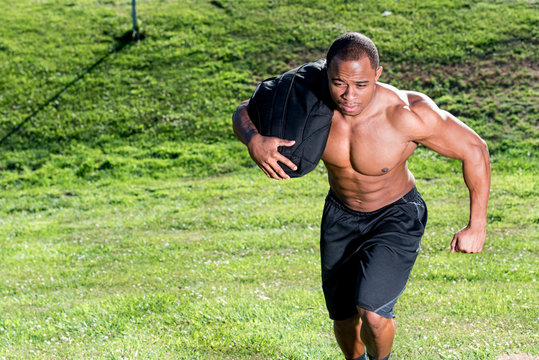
(476, 171)
(244, 129)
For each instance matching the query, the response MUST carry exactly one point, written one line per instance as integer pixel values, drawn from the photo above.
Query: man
(374, 217)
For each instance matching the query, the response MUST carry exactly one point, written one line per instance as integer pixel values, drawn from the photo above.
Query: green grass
(182, 82)
(228, 267)
(134, 226)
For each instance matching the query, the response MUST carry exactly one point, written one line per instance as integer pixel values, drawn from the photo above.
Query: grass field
(134, 226)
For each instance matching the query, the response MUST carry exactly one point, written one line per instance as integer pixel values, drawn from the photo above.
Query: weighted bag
(295, 106)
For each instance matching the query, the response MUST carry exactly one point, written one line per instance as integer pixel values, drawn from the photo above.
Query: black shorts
(367, 257)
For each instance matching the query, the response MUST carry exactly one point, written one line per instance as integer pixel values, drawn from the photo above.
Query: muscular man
(374, 217)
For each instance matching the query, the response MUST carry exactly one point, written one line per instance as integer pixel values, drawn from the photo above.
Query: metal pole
(135, 26)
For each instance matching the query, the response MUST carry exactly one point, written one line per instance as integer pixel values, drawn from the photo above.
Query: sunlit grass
(133, 225)
(228, 267)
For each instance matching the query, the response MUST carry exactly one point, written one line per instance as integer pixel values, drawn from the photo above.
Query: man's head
(353, 70)
(353, 46)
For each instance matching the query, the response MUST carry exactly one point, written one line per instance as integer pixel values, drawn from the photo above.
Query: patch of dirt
(489, 73)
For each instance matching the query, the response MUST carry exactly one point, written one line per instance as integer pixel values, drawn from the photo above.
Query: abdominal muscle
(368, 193)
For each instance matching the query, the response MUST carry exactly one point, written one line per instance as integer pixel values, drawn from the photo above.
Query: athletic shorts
(367, 257)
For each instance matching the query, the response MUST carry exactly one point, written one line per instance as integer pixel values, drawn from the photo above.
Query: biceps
(452, 138)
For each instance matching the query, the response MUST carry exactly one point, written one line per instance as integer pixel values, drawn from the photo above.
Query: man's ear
(378, 73)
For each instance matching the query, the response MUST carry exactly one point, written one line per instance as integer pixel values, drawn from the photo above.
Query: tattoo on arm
(243, 126)
(250, 134)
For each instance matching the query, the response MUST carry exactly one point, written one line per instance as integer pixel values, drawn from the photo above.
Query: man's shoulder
(390, 91)
(395, 103)
(403, 102)
(411, 113)
(394, 96)
(404, 109)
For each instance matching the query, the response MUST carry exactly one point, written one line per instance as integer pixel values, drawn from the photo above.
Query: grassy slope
(110, 251)
(179, 86)
(227, 268)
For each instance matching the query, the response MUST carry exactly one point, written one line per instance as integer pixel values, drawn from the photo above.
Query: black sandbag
(295, 106)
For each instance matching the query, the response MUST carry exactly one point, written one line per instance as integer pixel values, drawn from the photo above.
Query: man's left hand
(468, 241)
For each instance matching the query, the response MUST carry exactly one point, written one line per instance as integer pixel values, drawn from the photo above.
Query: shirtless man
(373, 216)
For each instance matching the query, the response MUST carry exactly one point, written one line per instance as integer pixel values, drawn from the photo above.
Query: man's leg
(347, 333)
(377, 333)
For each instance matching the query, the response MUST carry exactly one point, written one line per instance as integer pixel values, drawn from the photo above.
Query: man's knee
(375, 322)
(350, 323)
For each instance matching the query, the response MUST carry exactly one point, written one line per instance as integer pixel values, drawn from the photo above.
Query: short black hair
(353, 46)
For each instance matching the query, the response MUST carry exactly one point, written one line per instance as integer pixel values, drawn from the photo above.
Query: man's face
(352, 84)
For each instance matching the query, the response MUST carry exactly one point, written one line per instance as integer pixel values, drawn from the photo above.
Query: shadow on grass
(122, 41)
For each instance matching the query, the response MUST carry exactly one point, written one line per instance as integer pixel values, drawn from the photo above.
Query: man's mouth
(349, 107)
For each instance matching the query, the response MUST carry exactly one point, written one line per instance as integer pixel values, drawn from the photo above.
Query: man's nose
(349, 93)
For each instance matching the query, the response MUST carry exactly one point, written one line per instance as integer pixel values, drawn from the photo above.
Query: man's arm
(262, 149)
(445, 134)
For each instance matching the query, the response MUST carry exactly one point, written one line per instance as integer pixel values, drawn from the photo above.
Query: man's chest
(373, 148)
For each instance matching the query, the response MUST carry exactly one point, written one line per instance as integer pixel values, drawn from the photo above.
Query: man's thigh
(382, 276)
